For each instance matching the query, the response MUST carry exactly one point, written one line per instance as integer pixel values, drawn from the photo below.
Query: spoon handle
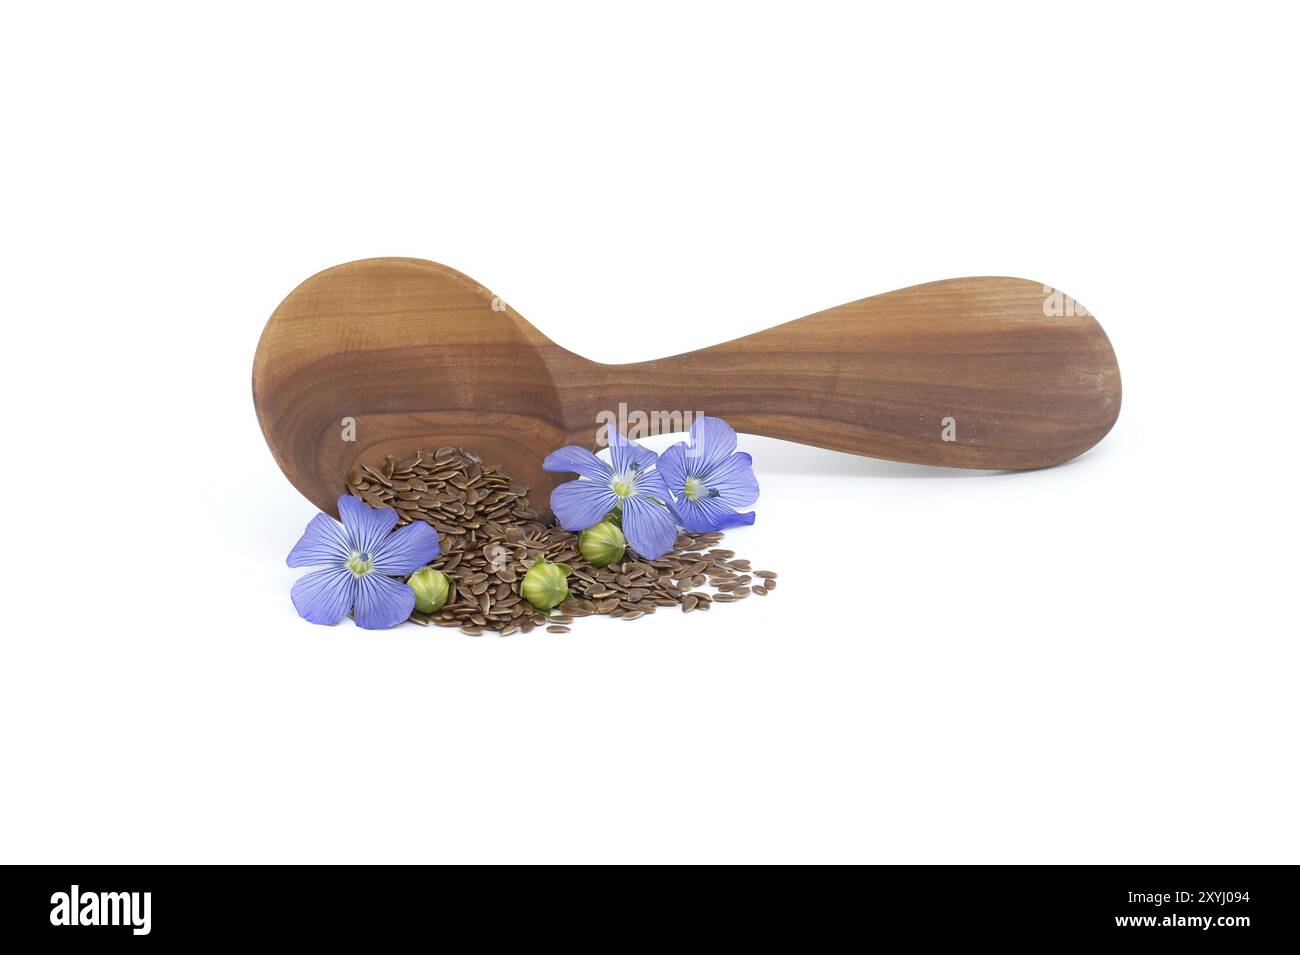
(996, 373)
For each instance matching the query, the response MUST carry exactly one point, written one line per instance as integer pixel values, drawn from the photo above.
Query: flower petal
(323, 542)
(672, 466)
(651, 484)
(650, 529)
(733, 479)
(579, 461)
(624, 453)
(382, 602)
(712, 439)
(580, 504)
(366, 526)
(709, 514)
(324, 596)
(406, 549)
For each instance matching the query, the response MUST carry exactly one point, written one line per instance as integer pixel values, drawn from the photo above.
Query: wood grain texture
(419, 355)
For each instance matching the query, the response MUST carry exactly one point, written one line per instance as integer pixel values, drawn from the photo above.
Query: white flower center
(623, 486)
(360, 563)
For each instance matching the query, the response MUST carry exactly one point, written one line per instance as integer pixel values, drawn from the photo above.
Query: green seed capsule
(545, 585)
(602, 544)
(431, 587)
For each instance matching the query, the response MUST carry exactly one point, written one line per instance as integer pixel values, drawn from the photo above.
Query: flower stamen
(623, 486)
(360, 563)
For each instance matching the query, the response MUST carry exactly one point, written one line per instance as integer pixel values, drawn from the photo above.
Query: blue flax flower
(710, 480)
(629, 483)
(360, 560)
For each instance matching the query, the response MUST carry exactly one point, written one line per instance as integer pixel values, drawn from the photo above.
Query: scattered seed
(490, 536)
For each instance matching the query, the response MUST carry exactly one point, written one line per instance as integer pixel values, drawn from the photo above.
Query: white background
(1095, 663)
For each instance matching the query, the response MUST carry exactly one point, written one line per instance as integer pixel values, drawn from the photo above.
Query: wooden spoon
(384, 356)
